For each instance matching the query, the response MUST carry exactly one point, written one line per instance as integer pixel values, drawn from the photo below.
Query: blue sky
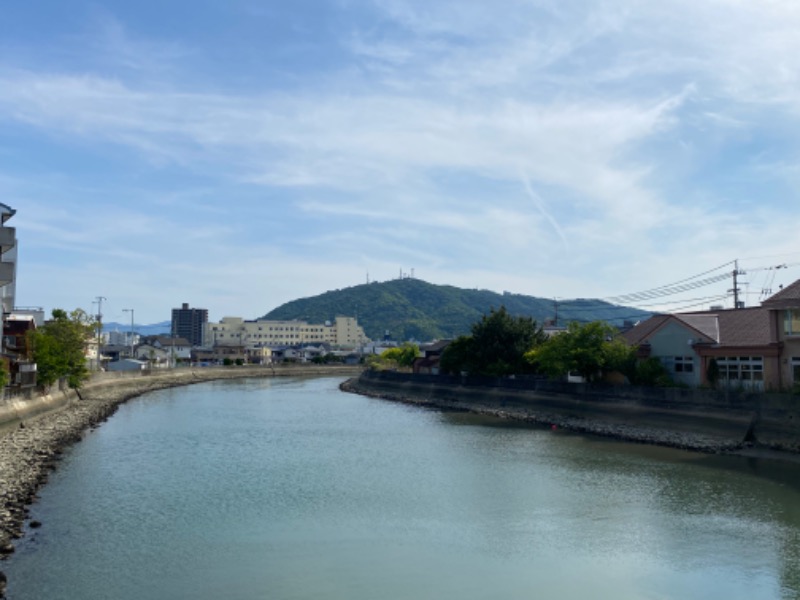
(239, 154)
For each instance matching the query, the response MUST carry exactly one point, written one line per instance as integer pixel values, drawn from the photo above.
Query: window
(684, 364)
(796, 369)
(791, 321)
(746, 371)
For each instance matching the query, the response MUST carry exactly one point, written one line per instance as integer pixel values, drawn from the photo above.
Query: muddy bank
(624, 421)
(35, 434)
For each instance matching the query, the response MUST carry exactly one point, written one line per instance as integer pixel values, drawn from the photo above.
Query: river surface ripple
(291, 489)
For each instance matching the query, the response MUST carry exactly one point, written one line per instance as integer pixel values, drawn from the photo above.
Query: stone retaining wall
(696, 419)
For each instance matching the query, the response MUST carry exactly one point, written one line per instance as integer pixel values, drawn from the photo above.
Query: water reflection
(291, 489)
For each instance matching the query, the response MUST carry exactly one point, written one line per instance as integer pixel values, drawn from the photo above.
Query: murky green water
(291, 489)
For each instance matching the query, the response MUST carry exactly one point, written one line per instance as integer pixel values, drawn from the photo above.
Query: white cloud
(541, 147)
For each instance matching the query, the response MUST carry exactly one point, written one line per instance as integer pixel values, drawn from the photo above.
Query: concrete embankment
(699, 420)
(35, 430)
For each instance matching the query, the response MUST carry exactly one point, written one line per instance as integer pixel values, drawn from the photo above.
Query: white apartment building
(235, 331)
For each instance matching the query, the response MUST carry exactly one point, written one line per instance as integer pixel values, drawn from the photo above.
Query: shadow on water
(777, 467)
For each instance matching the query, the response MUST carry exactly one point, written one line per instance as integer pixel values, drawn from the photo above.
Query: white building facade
(234, 331)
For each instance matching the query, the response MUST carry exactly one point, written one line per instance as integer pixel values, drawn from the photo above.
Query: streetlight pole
(130, 310)
(99, 301)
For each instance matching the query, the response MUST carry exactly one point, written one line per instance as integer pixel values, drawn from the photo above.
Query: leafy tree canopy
(403, 355)
(496, 347)
(590, 350)
(59, 347)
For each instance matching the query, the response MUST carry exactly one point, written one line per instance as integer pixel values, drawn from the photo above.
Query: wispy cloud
(463, 136)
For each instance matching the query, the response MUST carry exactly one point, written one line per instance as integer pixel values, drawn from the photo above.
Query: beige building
(235, 331)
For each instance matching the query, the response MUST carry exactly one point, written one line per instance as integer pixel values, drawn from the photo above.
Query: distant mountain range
(414, 309)
(155, 329)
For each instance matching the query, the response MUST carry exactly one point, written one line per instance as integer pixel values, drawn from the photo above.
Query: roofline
(6, 212)
(668, 317)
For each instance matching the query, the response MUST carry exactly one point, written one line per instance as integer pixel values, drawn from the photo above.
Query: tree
(403, 355)
(496, 347)
(590, 350)
(651, 372)
(4, 376)
(59, 347)
(457, 355)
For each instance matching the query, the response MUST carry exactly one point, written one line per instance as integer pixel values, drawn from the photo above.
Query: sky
(239, 154)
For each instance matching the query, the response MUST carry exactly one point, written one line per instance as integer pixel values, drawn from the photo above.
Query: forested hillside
(414, 309)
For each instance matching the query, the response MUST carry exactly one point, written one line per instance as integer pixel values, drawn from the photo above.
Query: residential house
(115, 352)
(127, 364)
(164, 349)
(784, 315)
(155, 355)
(754, 348)
(431, 356)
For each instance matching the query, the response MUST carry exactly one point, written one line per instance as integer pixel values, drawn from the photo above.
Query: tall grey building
(8, 260)
(190, 324)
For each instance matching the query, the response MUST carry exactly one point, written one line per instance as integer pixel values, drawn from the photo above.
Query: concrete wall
(34, 402)
(17, 409)
(771, 420)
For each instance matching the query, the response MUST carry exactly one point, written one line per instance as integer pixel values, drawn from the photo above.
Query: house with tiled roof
(754, 348)
(430, 357)
(784, 309)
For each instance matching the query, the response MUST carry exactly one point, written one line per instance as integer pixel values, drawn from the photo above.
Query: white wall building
(234, 331)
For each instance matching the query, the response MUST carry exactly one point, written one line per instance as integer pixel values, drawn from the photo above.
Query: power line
(702, 299)
(667, 290)
(635, 300)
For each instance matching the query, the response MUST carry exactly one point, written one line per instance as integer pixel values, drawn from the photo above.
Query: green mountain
(414, 309)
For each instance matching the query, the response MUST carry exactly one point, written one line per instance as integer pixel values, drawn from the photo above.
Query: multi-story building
(190, 324)
(235, 331)
(14, 346)
(8, 260)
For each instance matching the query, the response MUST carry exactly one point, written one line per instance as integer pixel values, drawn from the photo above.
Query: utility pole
(555, 303)
(130, 310)
(736, 290)
(99, 301)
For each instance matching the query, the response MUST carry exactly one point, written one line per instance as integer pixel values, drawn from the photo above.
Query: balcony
(6, 273)
(8, 238)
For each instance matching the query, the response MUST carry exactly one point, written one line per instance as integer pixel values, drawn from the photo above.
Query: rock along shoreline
(622, 426)
(30, 448)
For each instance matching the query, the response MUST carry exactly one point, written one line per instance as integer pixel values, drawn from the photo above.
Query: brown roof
(788, 297)
(705, 323)
(641, 331)
(745, 327)
(742, 327)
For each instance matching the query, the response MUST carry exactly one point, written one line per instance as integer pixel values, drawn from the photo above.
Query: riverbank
(30, 448)
(726, 429)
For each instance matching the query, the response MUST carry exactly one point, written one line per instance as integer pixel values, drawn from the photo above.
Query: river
(292, 489)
